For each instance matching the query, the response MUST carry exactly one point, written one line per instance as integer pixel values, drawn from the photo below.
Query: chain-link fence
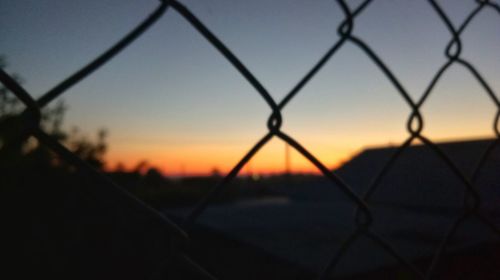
(364, 218)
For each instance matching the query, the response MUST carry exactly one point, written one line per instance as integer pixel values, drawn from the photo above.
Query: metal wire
(363, 215)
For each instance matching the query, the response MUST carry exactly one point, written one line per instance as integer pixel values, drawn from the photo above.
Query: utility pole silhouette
(249, 169)
(183, 171)
(287, 160)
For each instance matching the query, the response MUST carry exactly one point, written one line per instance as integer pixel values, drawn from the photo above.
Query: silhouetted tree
(153, 178)
(216, 172)
(92, 152)
(141, 167)
(17, 147)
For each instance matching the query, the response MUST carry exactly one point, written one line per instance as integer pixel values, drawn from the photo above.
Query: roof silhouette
(420, 177)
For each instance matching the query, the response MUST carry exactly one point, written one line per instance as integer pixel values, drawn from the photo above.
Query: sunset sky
(171, 99)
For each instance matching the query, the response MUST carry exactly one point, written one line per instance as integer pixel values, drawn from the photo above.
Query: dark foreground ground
(281, 239)
(86, 231)
(75, 237)
(230, 259)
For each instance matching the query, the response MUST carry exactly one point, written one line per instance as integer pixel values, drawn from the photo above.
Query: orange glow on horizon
(204, 160)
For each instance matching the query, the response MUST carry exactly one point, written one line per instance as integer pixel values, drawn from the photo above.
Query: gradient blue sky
(172, 99)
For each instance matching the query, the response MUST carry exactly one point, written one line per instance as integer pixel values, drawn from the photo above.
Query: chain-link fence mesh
(364, 217)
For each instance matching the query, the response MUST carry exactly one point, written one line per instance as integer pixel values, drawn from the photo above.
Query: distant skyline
(171, 99)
